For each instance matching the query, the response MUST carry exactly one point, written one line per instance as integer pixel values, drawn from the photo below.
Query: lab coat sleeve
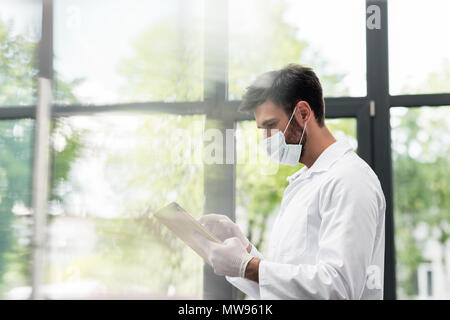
(254, 252)
(349, 209)
(251, 288)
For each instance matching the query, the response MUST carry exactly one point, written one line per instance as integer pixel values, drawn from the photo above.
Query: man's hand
(229, 258)
(223, 228)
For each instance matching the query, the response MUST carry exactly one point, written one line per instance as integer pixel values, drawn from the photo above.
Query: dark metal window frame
(372, 113)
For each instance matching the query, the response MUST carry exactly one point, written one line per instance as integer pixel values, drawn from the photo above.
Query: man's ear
(303, 113)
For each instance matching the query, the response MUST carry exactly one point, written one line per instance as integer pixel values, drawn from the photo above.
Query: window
(327, 34)
(421, 156)
(419, 60)
(20, 27)
(128, 51)
(110, 172)
(16, 143)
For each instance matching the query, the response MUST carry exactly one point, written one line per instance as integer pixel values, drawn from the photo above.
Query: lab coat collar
(291, 178)
(330, 155)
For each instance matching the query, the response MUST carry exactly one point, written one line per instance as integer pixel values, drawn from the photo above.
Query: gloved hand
(229, 258)
(223, 228)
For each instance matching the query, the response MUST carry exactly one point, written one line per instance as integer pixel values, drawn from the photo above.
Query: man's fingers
(232, 242)
(203, 241)
(212, 218)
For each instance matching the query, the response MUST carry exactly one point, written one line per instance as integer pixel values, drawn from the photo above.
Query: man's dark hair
(286, 87)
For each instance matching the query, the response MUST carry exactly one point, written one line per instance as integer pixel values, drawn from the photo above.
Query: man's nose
(269, 132)
(265, 133)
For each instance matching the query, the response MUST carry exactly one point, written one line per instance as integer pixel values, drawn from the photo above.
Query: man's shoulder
(351, 177)
(350, 164)
(352, 171)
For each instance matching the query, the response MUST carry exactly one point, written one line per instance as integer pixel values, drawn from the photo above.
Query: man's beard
(294, 133)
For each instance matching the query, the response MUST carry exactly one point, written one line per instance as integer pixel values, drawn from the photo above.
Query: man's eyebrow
(266, 122)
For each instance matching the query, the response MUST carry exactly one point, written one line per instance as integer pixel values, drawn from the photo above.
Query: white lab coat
(327, 241)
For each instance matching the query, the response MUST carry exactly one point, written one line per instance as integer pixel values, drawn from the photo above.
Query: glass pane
(260, 183)
(327, 35)
(16, 143)
(421, 161)
(419, 59)
(20, 29)
(108, 171)
(128, 51)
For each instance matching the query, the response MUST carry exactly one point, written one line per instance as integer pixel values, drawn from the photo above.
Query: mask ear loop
(304, 129)
(290, 120)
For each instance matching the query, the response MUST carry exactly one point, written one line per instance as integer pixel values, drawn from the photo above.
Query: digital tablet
(180, 222)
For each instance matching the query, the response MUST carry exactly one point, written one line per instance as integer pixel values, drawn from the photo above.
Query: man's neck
(316, 143)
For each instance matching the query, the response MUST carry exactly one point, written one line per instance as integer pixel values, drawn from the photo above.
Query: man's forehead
(267, 111)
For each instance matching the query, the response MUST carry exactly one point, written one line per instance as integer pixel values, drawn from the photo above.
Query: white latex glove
(229, 258)
(223, 228)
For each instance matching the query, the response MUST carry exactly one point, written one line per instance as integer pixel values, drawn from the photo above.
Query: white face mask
(281, 152)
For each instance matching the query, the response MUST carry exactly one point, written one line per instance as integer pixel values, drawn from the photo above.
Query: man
(327, 241)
